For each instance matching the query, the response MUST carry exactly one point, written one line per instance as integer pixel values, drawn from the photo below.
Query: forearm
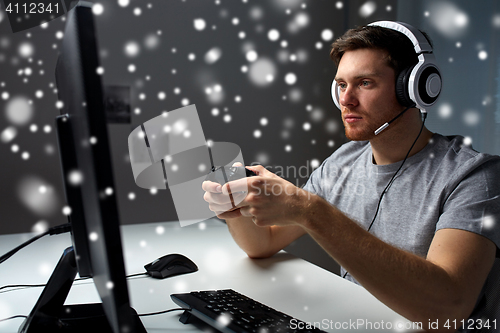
(254, 240)
(262, 241)
(411, 285)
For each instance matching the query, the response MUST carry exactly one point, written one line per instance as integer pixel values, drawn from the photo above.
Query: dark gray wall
(469, 104)
(170, 25)
(466, 37)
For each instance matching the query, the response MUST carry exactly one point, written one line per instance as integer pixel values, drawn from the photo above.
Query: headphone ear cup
(402, 92)
(336, 94)
(429, 85)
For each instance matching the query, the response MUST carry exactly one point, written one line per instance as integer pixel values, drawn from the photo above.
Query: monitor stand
(51, 315)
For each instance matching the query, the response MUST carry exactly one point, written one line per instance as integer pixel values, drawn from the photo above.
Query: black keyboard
(232, 312)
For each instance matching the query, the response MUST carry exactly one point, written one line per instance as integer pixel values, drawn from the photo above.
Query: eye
(365, 83)
(342, 85)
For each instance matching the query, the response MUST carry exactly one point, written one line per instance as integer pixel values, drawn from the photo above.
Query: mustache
(356, 113)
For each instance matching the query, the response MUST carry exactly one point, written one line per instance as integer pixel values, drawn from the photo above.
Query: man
(428, 247)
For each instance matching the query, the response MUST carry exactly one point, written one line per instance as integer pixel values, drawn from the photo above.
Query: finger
(223, 202)
(218, 198)
(229, 215)
(238, 199)
(239, 185)
(212, 187)
(218, 208)
(245, 211)
(258, 169)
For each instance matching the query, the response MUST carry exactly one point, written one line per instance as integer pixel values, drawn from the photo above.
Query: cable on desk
(136, 274)
(161, 312)
(20, 286)
(13, 317)
(25, 286)
(52, 231)
(139, 315)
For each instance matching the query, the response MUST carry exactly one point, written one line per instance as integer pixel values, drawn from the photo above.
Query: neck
(392, 145)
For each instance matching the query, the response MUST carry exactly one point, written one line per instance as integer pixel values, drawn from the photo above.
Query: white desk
(284, 282)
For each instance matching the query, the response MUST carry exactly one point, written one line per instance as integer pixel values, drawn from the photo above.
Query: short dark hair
(400, 51)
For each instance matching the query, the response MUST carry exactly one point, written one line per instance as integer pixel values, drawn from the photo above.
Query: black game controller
(222, 175)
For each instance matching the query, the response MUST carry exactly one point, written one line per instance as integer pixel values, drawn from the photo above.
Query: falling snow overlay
(258, 72)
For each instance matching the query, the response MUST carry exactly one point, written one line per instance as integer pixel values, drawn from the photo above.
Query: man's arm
(443, 286)
(257, 242)
(261, 242)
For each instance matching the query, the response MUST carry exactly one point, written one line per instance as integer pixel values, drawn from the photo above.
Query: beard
(359, 136)
(358, 133)
(365, 129)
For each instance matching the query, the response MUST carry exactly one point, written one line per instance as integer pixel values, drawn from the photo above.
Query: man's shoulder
(456, 154)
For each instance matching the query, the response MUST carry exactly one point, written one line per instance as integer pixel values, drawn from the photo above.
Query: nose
(348, 97)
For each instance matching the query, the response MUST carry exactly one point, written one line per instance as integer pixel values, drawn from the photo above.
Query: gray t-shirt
(445, 185)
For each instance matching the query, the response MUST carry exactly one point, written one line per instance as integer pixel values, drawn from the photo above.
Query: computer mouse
(170, 265)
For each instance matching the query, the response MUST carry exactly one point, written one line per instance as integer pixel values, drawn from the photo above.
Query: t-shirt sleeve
(314, 182)
(474, 203)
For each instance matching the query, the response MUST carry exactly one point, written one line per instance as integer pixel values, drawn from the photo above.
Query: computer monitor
(90, 193)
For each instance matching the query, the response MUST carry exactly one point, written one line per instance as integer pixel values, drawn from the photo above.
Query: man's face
(367, 92)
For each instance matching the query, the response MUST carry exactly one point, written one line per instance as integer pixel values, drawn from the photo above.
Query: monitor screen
(90, 191)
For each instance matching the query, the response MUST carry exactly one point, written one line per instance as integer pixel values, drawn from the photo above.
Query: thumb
(258, 169)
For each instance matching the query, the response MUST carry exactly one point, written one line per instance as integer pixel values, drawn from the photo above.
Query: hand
(222, 204)
(269, 199)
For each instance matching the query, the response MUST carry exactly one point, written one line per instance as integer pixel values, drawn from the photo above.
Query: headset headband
(420, 43)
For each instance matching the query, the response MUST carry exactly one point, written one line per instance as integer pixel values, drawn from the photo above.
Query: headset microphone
(384, 126)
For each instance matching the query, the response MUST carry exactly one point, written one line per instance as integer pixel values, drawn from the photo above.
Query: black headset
(416, 86)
